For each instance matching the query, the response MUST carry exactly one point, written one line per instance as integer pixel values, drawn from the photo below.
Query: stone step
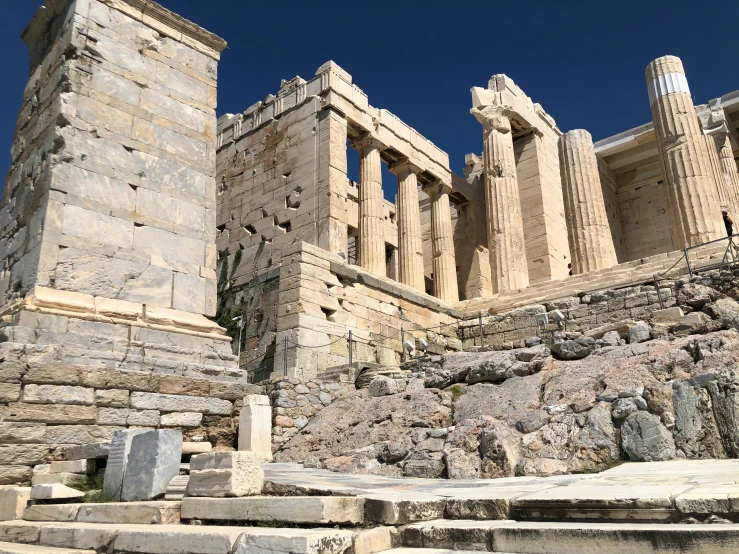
(146, 513)
(429, 551)
(316, 510)
(573, 538)
(176, 539)
(17, 548)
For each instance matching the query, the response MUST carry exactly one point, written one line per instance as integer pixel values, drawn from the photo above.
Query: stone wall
(645, 219)
(47, 405)
(588, 311)
(111, 189)
(322, 298)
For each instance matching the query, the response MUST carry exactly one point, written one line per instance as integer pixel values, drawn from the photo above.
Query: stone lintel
(147, 11)
(97, 308)
(403, 165)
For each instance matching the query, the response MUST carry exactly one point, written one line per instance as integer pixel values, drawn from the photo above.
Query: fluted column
(691, 186)
(729, 171)
(408, 216)
(588, 231)
(442, 243)
(503, 203)
(371, 244)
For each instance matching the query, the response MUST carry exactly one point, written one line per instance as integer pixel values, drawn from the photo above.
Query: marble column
(371, 243)
(692, 191)
(729, 171)
(410, 245)
(503, 203)
(588, 231)
(442, 243)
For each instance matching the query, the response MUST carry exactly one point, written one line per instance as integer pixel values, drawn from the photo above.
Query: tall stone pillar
(442, 243)
(729, 171)
(693, 198)
(588, 231)
(505, 225)
(410, 246)
(371, 244)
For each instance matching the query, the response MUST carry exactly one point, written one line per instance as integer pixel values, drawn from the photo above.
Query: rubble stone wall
(582, 313)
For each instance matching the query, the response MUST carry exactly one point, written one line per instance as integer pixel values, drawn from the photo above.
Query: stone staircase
(628, 273)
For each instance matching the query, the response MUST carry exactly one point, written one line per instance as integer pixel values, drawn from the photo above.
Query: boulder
(462, 465)
(724, 391)
(383, 386)
(572, 350)
(639, 333)
(500, 446)
(532, 421)
(611, 338)
(597, 444)
(153, 461)
(645, 439)
(695, 296)
(393, 452)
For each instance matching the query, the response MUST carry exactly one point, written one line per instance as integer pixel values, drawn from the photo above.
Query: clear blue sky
(583, 61)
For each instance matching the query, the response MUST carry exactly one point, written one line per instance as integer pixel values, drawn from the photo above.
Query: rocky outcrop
(633, 390)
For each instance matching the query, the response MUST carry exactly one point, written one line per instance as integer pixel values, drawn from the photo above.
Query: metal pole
(241, 332)
(351, 347)
(687, 261)
(659, 294)
(402, 343)
(482, 335)
(285, 355)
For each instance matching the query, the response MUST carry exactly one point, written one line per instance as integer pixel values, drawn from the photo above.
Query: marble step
(176, 539)
(529, 537)
(431, 551)
(315, 510)
(144, 513)
(17, 548)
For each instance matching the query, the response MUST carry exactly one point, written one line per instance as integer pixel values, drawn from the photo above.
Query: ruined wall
(111, 188)
(645, 219)
(322, 298)
(511, 328)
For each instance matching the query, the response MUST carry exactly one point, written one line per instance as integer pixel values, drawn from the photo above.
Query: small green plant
(457, 391)
(92, 486)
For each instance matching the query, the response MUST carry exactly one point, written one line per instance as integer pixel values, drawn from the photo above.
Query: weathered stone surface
(571, 350)
(724, 393)
(176, 403)
(695, 296)
(639, 333)
(88, 451)
(143, 513)
(115, 470)
(13, 502)
(226, 474)
(182, 419)
(55, 492)
(645, 439)
(383, 386)
(532, 422)
(461, 464)
(255, 426)
(59, 415)
(153, 460)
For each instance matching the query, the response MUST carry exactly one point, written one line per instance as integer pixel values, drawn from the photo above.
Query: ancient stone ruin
(213, 340)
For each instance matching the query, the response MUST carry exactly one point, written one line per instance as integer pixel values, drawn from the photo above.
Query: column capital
(437, 187)
(366, 142)
(493, 118)
(404, 165)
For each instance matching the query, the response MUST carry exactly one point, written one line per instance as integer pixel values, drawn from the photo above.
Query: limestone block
(143, 513)
(51, 478)
(72, 466)
(97, 227)
(194, 539)
(10, 392)
(667, 317)
(52, 394)
(175, 403)
(322, 510)
(225, 474)
(153, 460)
(255, 426)
(153, 241)
(115, 470)
(302, 541)
(16, 433)
(55, 492)
(51, 512)
(88, 451)
(113, 398)
(188, 293)
(370, 541)
(13, 501)
(196, 447)
(181, 419)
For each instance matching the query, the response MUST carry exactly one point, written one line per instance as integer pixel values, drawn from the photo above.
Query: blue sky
(583, 61)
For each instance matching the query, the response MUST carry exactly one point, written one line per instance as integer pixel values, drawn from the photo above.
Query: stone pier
(442, 243)
(410, 247)
(591, 243)
(693, 197)
(505, 227)
(371, 244)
